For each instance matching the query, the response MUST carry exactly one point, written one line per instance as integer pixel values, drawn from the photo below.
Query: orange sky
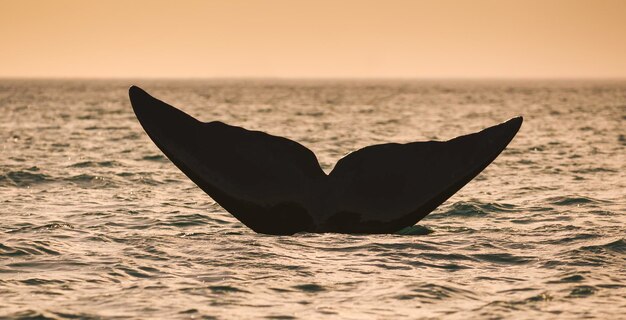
(297, 38)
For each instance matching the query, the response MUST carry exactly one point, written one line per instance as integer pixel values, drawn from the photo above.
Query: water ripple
(96, 222)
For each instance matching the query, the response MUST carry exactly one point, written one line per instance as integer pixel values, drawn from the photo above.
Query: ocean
(95, 223)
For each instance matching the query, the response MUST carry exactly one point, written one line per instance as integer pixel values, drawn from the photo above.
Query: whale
(276, 186)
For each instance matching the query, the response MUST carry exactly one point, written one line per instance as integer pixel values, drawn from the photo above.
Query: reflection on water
(95, 222)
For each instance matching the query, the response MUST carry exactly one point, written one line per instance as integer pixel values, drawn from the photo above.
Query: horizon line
(316, 78)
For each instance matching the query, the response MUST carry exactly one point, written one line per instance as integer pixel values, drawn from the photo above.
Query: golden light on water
(281, 38)
(97, 222)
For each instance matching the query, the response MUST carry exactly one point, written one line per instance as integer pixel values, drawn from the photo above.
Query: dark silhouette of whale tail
(276, 186)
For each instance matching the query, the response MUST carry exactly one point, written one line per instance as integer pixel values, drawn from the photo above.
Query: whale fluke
(276, 186)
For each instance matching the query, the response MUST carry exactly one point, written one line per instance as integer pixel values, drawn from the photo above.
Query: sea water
(96, 223)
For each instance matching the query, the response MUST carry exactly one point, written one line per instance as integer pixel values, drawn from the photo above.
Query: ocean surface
(96, 223)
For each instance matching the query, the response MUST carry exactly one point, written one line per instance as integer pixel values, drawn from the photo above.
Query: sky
(313, 39)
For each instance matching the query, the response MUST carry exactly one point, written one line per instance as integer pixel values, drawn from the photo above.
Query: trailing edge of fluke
(275, 185)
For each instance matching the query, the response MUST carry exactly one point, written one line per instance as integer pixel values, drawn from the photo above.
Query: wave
(430, 291)
(617, 246)
(188, 220)
(41, 282)
(594, 255)
(574, 200)
(34, 248)
(93, 164)
(86, 180)
(154, 157)
(309, 287)
(474, 209)
(24, 178)
(416, 230)
(32, 176)
(578, 237)
(594, 170)
(582, 291)
(503, 258)
(574, 278)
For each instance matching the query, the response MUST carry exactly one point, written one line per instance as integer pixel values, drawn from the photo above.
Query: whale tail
(276, 186)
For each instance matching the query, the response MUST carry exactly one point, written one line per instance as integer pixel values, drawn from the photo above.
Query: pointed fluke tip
(138, 97)
(517, 121)
(135, 91)
(513, 124)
